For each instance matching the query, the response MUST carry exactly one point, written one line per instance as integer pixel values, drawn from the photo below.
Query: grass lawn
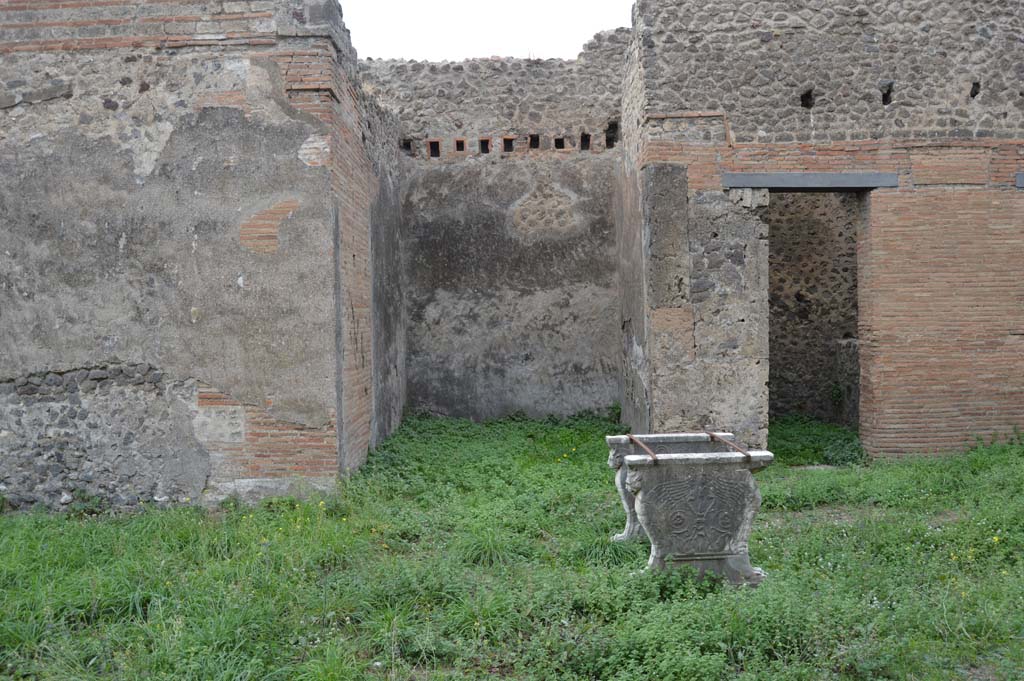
(477, 551)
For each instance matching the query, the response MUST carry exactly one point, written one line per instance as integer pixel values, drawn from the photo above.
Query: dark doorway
(814, 356)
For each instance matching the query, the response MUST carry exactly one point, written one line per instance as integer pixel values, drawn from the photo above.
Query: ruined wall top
(505, 97)
(796, 70)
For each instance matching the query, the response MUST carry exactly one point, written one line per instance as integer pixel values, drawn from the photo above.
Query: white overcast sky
(436, 30)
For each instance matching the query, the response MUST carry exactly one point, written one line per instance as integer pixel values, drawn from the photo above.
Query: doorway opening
(814, 367)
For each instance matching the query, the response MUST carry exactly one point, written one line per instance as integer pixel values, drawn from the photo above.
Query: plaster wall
(171, 200)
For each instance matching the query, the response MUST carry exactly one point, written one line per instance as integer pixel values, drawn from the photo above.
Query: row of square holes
(807, 101)
(807, 98)
(509, 143)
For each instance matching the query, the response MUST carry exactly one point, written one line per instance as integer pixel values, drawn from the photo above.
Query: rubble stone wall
(813, 296)
(814, 70)
(495, 99)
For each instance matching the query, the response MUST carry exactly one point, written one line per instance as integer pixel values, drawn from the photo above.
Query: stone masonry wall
(175, 201)
(813, 296)
(499, 98)
(509, 257)
(816, 70)
(512, 287)
(632, 238)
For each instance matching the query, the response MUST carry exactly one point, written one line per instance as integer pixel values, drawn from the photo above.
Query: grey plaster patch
(249, 490)
(511, 287)
(810, 181)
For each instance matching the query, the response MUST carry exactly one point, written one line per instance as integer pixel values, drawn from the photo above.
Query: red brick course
(271, 448)
(259, 233)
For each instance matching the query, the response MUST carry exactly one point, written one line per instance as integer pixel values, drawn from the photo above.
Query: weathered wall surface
(388, 296)
(632, 238)
(169, 201)
(756, 60)
(512, 287)
(707, 291)
(510, 257)
(813, 297)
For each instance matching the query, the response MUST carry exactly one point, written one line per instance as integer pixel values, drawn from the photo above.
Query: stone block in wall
(713, 394)
(665, 214)
(728, 248)
(673, 346)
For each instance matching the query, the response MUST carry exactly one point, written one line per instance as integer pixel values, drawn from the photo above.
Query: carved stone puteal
(695, 499)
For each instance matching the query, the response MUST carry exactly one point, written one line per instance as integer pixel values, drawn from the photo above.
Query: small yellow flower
(995, 539)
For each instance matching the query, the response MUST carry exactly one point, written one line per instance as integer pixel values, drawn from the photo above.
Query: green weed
(475, 551)
(802, 441)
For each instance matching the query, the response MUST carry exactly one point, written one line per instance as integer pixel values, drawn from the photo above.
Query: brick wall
(248, 447)
(942, 318)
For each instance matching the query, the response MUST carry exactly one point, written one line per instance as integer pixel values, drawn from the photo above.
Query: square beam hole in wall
(407, 148)
(611, 135)
(535, 141)
(887, 89)
(807, 99)
(508, 144)
(485, 146)
(584, 142)
(434, 148)
(559, 143)
(460, 145)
